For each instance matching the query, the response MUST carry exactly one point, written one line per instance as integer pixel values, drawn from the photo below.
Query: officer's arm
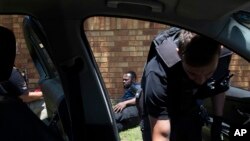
(222, 76)
(218, 104)
(160, 129)
(155, 101)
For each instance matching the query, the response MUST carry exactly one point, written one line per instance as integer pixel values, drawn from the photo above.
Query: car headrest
(7, 53)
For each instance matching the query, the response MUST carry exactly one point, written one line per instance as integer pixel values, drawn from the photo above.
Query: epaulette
(168, 52)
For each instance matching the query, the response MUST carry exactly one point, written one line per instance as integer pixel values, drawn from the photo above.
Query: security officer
(175, 81)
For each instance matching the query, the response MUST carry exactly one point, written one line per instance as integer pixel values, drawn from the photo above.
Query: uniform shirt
(164, 98)
(130, 92)
(16, 84)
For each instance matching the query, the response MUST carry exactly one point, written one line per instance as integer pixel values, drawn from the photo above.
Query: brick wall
(241, 70)
(118, 45)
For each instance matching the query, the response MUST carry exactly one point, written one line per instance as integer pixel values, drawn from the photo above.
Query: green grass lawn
(133, 134)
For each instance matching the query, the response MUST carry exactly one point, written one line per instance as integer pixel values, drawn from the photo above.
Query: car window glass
(24, 63)
(33, 59)
(23, 59)
(119, 45)
(241, 70)
(122, 44)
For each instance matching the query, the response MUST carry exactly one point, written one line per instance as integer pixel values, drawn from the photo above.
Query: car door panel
(236, 110)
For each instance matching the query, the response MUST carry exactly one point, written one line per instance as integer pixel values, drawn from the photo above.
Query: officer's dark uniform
(16, 84)
(169, 93)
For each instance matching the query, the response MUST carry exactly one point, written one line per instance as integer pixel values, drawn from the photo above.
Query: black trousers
(186, 129)
(128, 118)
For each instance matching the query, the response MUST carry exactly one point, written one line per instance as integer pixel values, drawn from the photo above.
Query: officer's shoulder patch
(168, 52)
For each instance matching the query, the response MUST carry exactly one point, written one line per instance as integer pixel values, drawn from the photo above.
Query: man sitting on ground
(126, 113)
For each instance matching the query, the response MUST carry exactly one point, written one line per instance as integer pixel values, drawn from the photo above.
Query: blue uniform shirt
(131, 91)
(16, 84)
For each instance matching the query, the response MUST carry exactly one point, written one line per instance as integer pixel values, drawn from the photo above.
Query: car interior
(12, 107)
(60, 38)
